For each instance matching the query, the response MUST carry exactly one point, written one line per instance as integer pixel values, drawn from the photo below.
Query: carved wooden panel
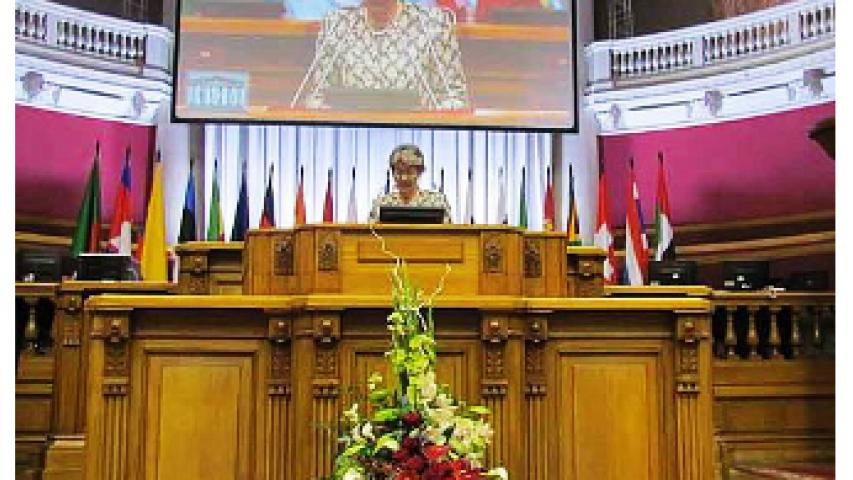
(493, 253)
(327, 252)
(532, 258)
(199, 400)
(610, 402)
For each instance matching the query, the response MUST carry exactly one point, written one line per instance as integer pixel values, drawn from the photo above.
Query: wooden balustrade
(771, 326)
(34, 378)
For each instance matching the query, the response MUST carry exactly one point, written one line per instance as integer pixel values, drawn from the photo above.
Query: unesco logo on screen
(218, 90)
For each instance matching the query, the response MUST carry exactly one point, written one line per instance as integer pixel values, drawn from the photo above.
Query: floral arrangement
(415, 430)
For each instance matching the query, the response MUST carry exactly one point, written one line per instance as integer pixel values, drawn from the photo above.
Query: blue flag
(241, 215)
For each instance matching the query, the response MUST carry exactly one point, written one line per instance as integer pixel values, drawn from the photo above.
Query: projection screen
(504, 64)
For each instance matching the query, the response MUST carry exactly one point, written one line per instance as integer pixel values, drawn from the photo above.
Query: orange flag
(300, 199)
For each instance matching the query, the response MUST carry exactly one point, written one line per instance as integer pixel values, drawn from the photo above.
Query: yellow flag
(154, 242)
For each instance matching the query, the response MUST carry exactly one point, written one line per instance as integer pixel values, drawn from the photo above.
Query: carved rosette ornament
(689, 335)
(327, 253)
(493, 254)
(279, 335)
(534, 356)
(532, 258)
(283, 249)
(495, 332)
(196, 267)
(116, 332)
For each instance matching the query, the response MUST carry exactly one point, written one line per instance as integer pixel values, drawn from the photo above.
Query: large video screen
(464, 63)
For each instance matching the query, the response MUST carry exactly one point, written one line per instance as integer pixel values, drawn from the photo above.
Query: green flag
(522, 211)
(214, 226)
(87, 233)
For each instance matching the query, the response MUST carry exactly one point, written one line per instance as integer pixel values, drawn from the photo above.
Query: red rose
(415, 463)
(412, 419)
(411, 444)
(434, 452)
(400, 455)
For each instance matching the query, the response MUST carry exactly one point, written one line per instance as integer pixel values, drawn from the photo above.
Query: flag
(299, 213)
(215, 231)
(188, 230)
(603, 237)
(154, 246)
(441, 185)
(241, 213)
(636, 244)
(469, 200)
(502, 213)
(352, 212)
(548, 204)
(522, 207)
(87, 232)
(268, 213)
(573, 222)
(663, 218)
(328, 205)
(388, 182)
(120, 241)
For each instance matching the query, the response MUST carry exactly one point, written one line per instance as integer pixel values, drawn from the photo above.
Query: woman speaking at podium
(407, 165)
(385, 55)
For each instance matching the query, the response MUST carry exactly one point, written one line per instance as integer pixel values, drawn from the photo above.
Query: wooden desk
(210, 268)
(224, 387)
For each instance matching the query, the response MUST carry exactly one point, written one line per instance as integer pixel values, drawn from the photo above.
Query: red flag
(636, 244)
(549, 205)
(603, 235)
(300, 199)
(119, 240)
(328, 205)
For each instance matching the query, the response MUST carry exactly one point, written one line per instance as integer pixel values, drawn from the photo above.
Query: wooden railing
(773, 325)
(35, 305)
(740, 37)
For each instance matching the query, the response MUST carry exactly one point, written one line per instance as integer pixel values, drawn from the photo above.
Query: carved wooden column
(694, 439)
(495, 332)
(325, 390)
(106, 438)
(535, 390)
(796, 336)
(774, 340)
(279, 444)
(70, 412)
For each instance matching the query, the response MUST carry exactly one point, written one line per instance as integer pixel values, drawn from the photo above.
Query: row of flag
(636, 266)
(152, 251)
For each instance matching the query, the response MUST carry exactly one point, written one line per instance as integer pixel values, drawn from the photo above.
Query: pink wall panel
(53, 156)
(758, 167)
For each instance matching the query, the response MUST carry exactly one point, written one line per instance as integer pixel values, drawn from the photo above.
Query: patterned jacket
(424, 198)
(417, 52)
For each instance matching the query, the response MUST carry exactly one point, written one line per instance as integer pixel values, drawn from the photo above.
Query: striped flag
(603, 235)
(188, 232)
(663, 218)
(87, 232)
(352, 211)
(120, 241)
(636, 244)
(388, 182)
(241, 213)
(573, 230)
(548, 204)
(215, 231)
(299, 209)
(268, 213)
(329, 203)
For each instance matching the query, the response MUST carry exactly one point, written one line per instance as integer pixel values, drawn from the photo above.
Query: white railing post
(794, 29)
(698, 51)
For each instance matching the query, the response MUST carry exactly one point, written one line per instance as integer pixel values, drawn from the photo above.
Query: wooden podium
(251, 386)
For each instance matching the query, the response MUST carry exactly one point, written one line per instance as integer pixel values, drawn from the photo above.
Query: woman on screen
(407, 165)
(385, 53)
